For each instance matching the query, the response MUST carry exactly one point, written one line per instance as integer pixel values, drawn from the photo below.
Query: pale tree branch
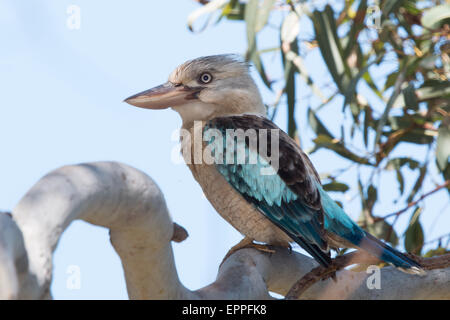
(13, 257)
(128, 203)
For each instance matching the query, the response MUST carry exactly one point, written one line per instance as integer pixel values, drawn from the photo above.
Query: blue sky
(62, 93)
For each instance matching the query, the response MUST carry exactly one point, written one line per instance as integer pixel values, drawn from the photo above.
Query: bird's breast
(242, 215)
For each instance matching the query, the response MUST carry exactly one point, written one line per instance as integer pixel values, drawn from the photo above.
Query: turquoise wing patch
(269, 193)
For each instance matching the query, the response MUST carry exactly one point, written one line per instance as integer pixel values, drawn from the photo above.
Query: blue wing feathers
(337, 221)
(295, 201)
(294, 231)
(273, 197)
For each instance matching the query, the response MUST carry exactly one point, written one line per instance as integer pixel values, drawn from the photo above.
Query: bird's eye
(205, 77)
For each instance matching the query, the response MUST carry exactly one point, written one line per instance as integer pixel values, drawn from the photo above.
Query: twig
(438, 238)
(413, 203)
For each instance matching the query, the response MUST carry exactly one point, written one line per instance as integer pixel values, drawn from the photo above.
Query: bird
(286, 204)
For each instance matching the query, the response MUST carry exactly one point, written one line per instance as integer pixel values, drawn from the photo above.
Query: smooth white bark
(13, 258)
(130, 204)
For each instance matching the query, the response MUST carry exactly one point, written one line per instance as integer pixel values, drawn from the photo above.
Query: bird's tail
(388, 254)
(338, 223)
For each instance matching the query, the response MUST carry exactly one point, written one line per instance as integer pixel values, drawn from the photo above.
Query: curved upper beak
(161, 97)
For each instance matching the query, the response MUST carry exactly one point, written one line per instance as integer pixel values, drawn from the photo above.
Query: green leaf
(390, 6)
(335, 186)
(397, 163)
(390, 80)
(368, 78)
(380, 229)
(330, 47)
(356, 26)
(432, 89)
(414, 238)
(326, 140)
(367, 119)
(418, 184)
(410, 97)
(234, 10)
(255, 58)
(429, 62)
(250, 16)
(263, 14)
(399, 122)
(409, 129)
(289, 89)
(436, 252)
(435, 17)
(383, 230)
(303, 72)
(411, 7)
(443, 145)
(400, 180)
(372, 196)
(335, 145)
(387, 109)
(317, 125)
(418, 136)
(290, 27)
(350, 92)
(290, 93)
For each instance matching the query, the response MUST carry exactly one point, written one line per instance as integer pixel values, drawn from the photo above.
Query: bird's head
(204, 88)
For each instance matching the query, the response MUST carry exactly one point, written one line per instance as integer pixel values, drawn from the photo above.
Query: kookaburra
(283, 205)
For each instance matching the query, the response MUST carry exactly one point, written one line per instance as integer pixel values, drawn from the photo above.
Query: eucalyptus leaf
(443, 145)
(380, 229)
(323, 141)
(335, 186)
(434, 17)
(290, 27)
(250, 16)
(439, 251)
(330, 47)
(414, 238)
(263, 14)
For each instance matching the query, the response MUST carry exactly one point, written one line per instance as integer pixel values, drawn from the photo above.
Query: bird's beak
(161, 97)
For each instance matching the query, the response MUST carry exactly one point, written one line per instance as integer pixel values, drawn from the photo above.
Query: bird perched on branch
(275, 199)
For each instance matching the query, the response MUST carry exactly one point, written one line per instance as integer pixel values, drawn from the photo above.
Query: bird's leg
(248, 243)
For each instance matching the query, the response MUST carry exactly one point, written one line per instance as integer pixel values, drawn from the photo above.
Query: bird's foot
(248, 243)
